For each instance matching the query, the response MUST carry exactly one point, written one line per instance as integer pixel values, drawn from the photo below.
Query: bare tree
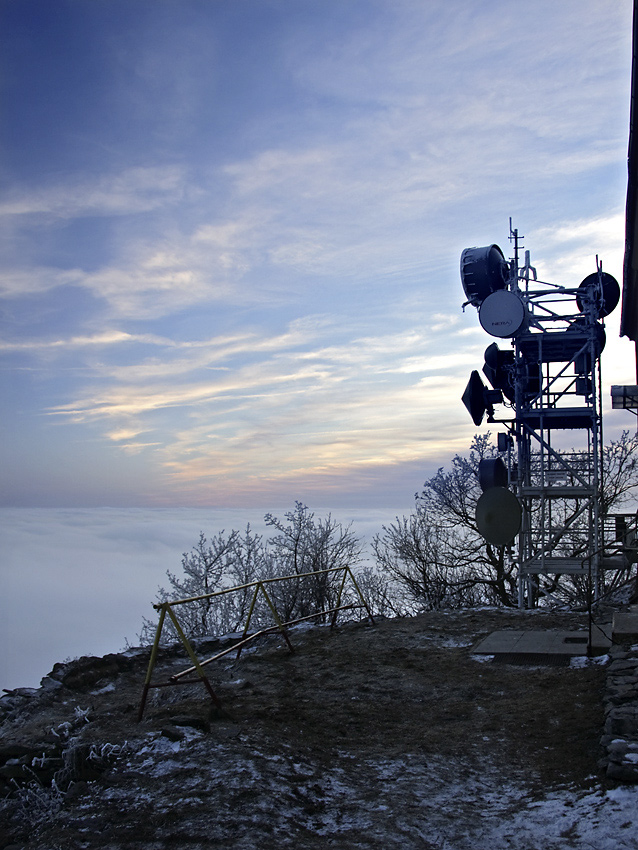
(436, 557)
(379, 592)
(304, 544)
(620, 472)
(415, 555)
(226, 560)
(449, 499)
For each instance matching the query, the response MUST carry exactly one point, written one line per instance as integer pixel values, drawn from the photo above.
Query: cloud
(134, 400)
(18, 283)
(216, 353)
(369, 197)
(131, 191)
(275, 406)
(568, 249)
(147, 290)
(104, 338)
(280, 298)
(136, 447)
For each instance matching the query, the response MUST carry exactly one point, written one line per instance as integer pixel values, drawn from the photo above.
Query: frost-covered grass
(386, 737)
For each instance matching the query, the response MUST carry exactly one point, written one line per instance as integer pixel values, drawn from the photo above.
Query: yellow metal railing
(166, 608)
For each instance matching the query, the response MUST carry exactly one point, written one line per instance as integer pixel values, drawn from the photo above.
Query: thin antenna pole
(513, 237)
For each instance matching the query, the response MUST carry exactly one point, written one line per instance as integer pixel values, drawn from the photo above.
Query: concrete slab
(625, 627)
(536, 645)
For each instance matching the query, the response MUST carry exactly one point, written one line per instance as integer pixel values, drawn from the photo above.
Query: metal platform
(553, 347)
(557, 491)
(558, 417)
(556, 566)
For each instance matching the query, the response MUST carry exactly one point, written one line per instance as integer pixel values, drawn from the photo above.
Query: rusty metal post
(335, 614)
(361, 597)
(151, 663)
(280, 625)
(192, 656)
(248, 619)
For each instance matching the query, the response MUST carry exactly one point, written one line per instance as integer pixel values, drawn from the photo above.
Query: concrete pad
(625, 628)
(534, 645)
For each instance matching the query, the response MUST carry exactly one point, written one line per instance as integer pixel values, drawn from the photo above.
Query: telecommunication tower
(548, 494)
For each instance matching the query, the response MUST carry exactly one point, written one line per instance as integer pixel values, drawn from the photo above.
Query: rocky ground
(368, 736)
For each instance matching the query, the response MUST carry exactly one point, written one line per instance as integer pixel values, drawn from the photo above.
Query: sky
(231, 230)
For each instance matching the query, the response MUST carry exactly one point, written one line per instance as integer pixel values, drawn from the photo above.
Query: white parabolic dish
(503, 314)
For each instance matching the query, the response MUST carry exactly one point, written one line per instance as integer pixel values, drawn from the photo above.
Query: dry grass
(399, 692)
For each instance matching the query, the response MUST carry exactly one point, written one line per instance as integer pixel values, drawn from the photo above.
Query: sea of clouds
(79, 581)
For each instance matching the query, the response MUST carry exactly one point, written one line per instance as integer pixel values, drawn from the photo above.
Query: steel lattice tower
(550, 378)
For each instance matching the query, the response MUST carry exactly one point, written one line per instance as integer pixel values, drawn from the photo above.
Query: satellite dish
(478, 399)
(498, 368)
(498, 516)
(483, 271)
(492, 473)
(605, 291)
(582, 361)
(474, 398)
(582, 326)
(531, 379)
(503, 314)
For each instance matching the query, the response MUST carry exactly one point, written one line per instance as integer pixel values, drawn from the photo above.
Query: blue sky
(231, 233)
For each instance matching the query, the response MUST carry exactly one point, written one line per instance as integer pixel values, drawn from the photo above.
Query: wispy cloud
(131, 191)
(16, 283)
(257, 279)
(104, 338)
(567, 251)
(293, 410)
